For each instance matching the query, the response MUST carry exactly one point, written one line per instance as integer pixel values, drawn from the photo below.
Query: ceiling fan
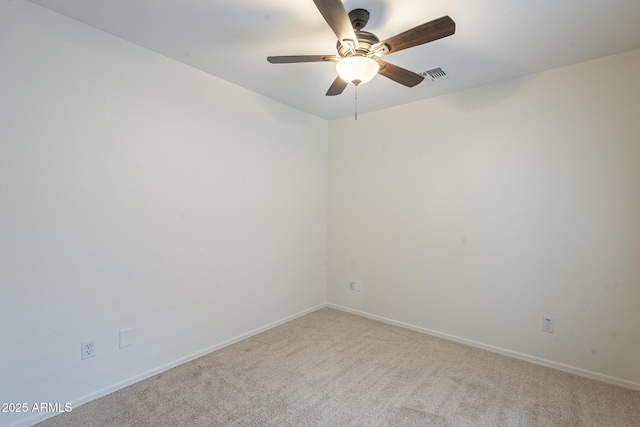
(359, 52)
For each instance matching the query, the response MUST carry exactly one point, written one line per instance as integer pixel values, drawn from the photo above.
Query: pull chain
(356, 83)
(356, 102)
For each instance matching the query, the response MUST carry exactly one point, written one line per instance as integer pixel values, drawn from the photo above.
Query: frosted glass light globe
(357, 69)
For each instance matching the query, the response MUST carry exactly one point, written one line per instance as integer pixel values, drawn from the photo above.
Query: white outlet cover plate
(88, 349)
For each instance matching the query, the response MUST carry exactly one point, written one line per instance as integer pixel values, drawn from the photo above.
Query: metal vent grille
(435, 74)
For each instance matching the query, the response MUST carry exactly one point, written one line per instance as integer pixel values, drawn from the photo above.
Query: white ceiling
(494, 40)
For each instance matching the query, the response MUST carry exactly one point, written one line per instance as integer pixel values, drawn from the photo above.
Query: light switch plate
(126, 337)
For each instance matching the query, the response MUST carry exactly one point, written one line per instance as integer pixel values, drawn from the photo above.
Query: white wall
(474, 215)
(138, 192)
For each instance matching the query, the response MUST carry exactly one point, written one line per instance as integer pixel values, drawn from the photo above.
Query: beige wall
(475, 214)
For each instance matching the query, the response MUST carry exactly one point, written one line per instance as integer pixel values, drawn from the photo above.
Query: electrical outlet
(352, 285)
(88, 349)
(547, 324)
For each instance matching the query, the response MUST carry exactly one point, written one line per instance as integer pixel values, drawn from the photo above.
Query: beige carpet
(331, 368)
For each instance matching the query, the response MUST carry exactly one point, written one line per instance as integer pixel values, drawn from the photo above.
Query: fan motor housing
(359, 19)
(365, 39)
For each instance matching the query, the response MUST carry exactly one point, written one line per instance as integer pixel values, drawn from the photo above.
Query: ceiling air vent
(435, 74)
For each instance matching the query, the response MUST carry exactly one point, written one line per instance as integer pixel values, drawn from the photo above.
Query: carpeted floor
(331, 368)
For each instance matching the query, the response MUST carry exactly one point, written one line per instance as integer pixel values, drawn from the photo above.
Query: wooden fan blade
(291, 59)
(425, 33)
(337, 87)
(398, 74)
(337, 17)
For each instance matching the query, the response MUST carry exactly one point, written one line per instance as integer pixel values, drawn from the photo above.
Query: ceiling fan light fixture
(357, 69)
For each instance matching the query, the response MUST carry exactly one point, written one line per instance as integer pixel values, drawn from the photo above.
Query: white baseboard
(543, 362)
(137, 378)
